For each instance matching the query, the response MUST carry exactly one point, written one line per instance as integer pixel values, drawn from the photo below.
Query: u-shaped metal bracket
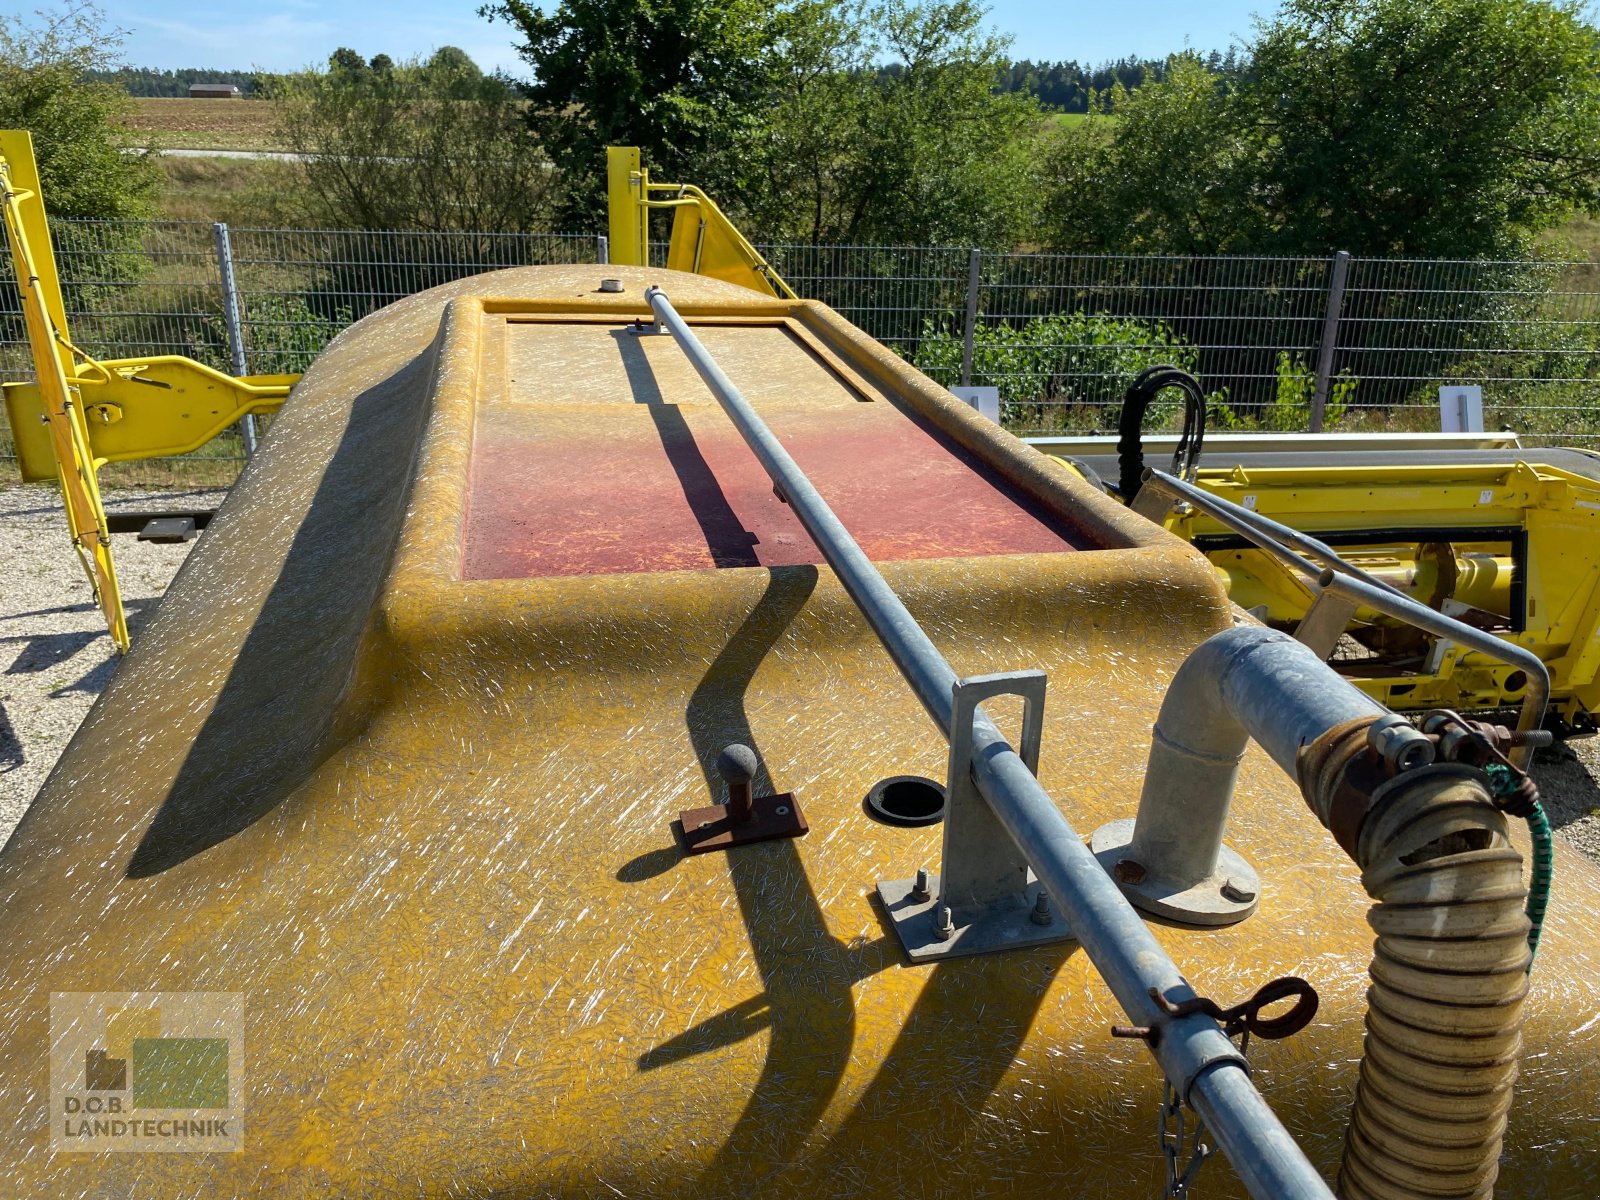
(984, 897)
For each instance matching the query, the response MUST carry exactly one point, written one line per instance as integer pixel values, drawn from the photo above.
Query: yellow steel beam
(45, 320)
(625, 190)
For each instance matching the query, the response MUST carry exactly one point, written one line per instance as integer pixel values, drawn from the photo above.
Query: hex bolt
(737, 765)
(1400, 744)
(1041, 909)
(1236, 892)
(944, 926)
(919, 889)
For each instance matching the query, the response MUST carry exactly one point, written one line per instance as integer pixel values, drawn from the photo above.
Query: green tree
(1424, 127)
(454, 61)
(685, 80)
(808, 119)
(346, 60)
(1419, 128)
(435, 147)
(1169, 173)
(926, 151)
(79, 138)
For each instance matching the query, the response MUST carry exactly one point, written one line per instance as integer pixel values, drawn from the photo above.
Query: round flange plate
(1228, 895)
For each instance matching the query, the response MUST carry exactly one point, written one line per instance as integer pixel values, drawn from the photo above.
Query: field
(184, 124)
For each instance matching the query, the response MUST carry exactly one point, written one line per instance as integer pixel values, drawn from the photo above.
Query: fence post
(230, 316)
(1330, 338)
(974, 257)
(603, 250)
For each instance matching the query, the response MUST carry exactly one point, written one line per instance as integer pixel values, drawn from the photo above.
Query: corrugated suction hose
(1444, 1019)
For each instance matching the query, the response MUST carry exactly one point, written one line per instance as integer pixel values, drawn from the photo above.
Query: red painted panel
(661, 488)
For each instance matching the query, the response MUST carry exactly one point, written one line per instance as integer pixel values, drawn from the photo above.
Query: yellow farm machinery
(629, 733)
(80, 412)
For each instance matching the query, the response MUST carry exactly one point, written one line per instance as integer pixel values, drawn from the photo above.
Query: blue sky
(282, 35)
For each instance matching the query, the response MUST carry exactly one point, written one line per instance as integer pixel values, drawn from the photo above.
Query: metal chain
(1179, 1142)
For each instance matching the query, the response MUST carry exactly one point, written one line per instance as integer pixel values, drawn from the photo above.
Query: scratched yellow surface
(423, 826)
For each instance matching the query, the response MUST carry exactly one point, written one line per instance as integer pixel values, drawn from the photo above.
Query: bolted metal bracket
(985, 897)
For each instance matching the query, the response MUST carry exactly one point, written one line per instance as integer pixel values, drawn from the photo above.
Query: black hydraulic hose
(1130, 441)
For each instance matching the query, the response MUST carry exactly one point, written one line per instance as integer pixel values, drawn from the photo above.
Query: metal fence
(1367, 343)
(1364, 343)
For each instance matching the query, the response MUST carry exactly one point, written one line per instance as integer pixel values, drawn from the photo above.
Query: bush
(1290, 410)
(282, 335)
(435, 146)
(1067, 370)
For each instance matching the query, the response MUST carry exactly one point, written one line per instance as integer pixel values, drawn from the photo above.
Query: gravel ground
(55, 654)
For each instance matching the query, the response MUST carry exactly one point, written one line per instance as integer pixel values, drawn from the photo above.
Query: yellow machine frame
(1515, 545)
(703, 242)
(81, 412)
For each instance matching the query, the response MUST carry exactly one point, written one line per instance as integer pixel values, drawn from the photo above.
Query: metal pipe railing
(1203, 1065)
(1339, 578)
(1270, 535)
(1403, 608)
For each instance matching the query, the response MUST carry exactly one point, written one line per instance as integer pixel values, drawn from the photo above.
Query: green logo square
(180, 1073)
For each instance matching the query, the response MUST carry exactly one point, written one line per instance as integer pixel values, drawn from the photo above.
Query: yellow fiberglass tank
(368, 874)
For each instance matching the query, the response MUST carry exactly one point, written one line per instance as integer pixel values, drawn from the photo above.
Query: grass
(240, 191)
(183, 124)
(1577, 239)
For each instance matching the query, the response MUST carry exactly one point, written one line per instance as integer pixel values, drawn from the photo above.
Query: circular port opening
(1515, 682)
(906, 800)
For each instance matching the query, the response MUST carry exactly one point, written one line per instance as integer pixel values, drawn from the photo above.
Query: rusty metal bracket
(985, 898)
(745, 818)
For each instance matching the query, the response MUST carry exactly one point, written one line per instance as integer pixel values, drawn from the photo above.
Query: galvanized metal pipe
(1330, 338)
(235, 326)
(1192, 1051)
(1270, 535)
(1414, 612)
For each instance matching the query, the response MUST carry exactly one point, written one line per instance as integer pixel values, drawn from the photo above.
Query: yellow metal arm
(62, 416)
(80, 413)
(144, 408)
(703, 241)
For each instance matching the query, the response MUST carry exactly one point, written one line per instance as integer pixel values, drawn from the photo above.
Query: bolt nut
(1041, 909)
(1128, 871)
(1237, 892)
(944, 926)
(1400, 744)
(920, 889)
